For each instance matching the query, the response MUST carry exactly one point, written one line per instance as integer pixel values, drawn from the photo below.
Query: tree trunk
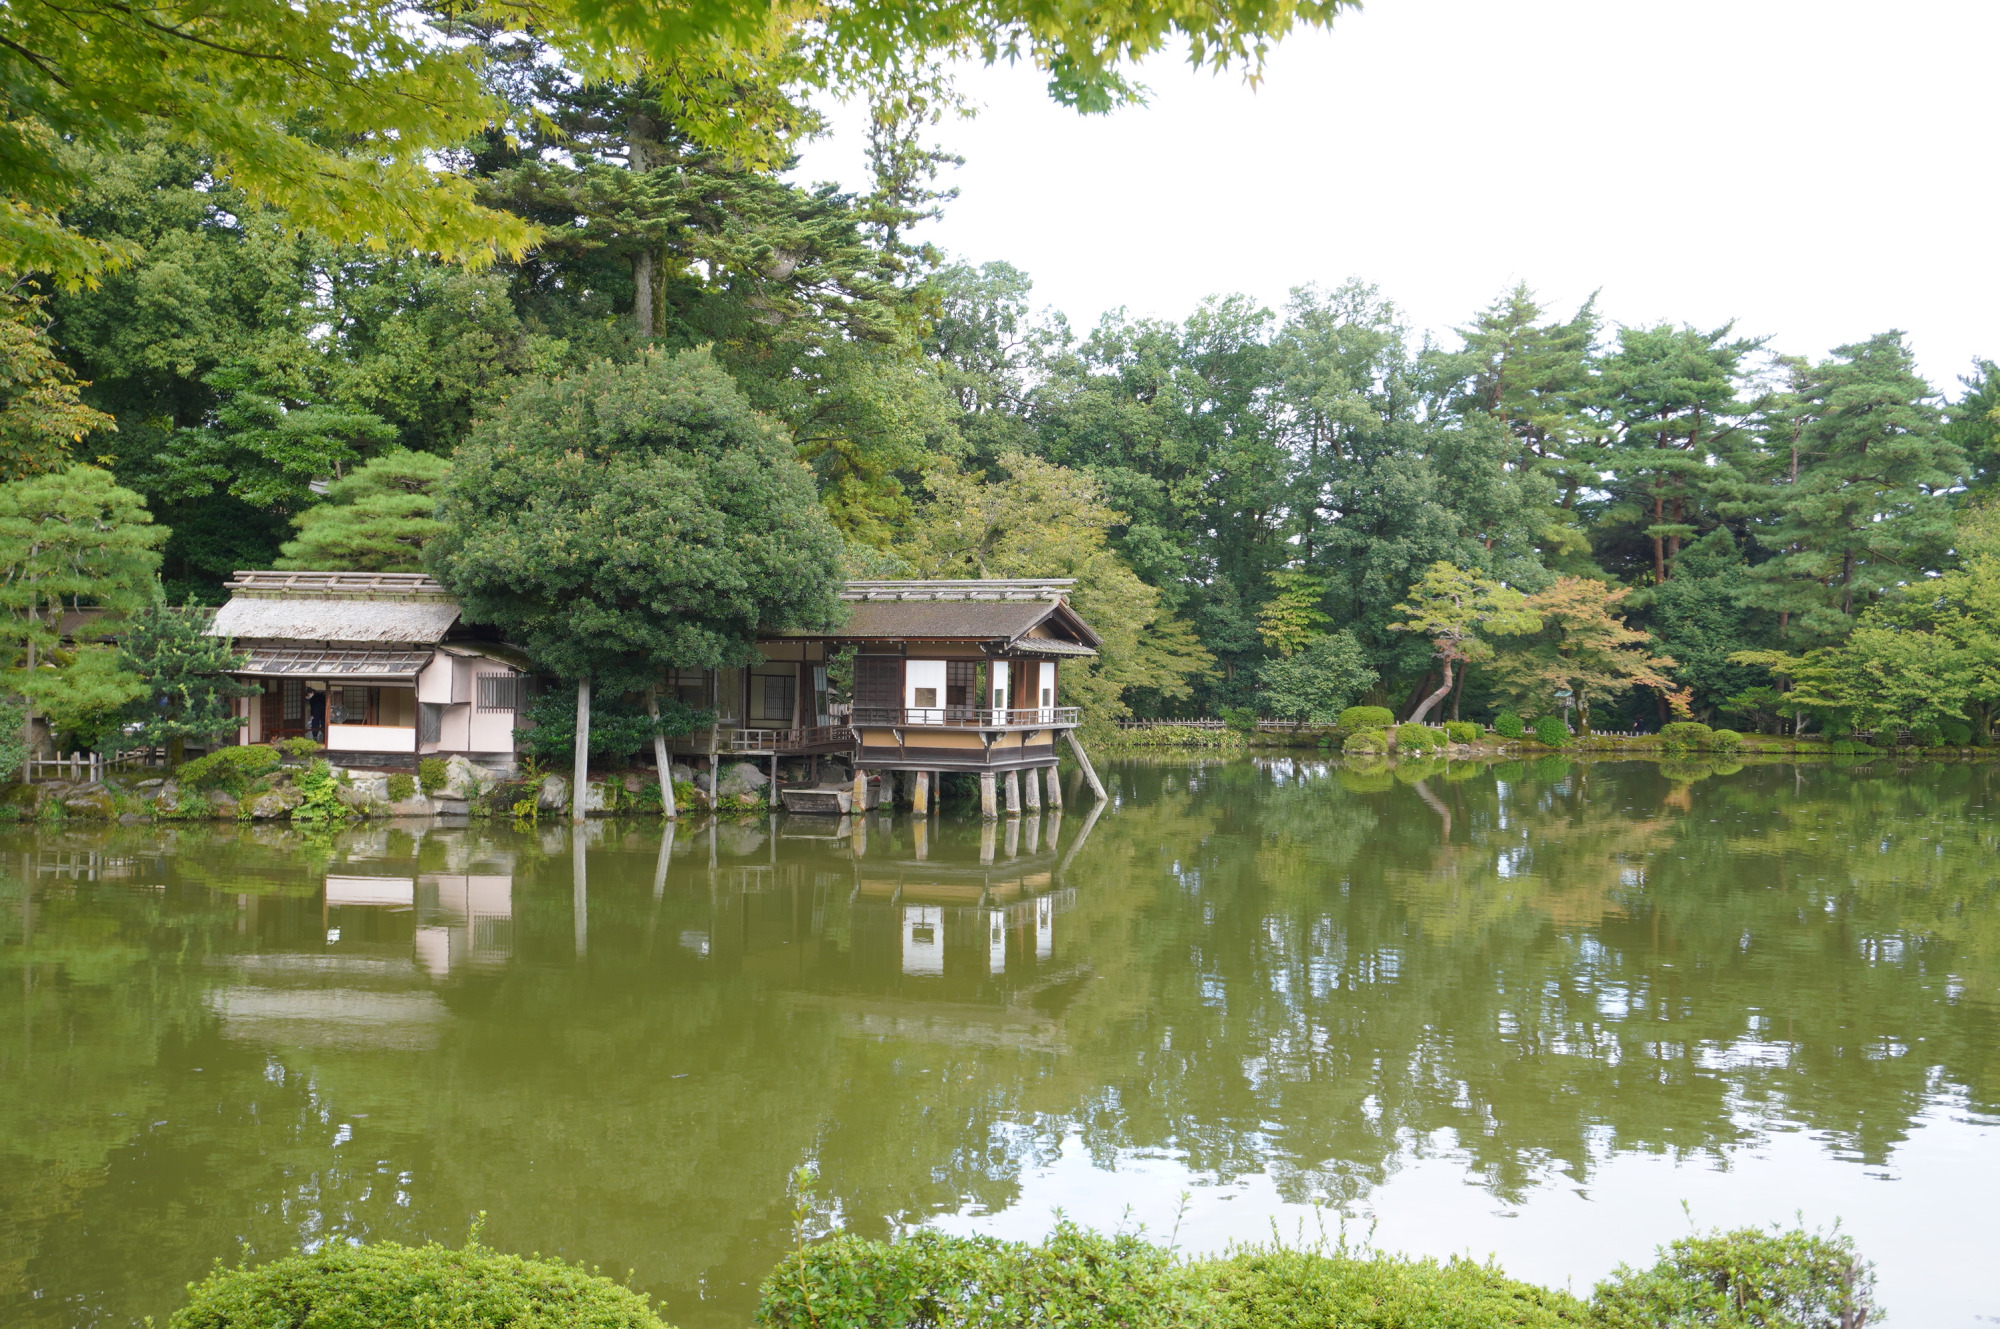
(28, 724)
(642, 293)
(581, 770)
(1459, 691)
(1416, 693)
(661, 758)
(1417, 716)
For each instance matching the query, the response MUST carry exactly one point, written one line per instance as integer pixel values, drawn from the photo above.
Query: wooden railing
(969, 717)
(92, 765)
(787, 740)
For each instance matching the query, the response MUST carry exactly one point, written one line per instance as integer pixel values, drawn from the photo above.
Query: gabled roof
(287, 619)
(1001, 612)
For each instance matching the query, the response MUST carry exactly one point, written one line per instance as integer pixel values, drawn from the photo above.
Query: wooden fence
(93, 765)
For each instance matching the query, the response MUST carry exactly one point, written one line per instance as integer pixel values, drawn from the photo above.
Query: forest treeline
(1252, 500)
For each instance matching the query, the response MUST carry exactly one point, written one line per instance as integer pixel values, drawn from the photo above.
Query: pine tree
(1868, 509)
(376, 520)
(186, 672)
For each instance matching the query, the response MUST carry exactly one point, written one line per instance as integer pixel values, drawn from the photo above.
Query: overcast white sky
(1817, 170)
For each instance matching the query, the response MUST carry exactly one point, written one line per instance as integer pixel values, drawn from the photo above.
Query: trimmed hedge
(1416, 739)
(1725, 740)
(1268, 1287)
(1550, 731)
(1509, 725)
(1461, 731)
(1368, 741)
(1685, 734)
(1365, 717)
(231, 768)
(388, 1286)
(1744, 1279)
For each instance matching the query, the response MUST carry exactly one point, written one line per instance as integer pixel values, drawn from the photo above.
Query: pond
(1522, 1009)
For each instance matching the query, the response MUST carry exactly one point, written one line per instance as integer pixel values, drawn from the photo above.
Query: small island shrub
(1682, 735)
(1744, 1279)
(1461, 731)
(387, 1286)
(1725, 740)
(1239, 718)
(1550, 731)
(1416, 739)
(1366, 717)
(1956, 732)
(1509, 725)
(433, 774)
(402, 785)
(1368, 742)
(230, 768)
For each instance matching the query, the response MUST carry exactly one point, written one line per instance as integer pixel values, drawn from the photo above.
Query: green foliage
(376, 519)
(1240, 719)
(1550, 731)
(299, 746)
(618, 727)
(1315, 682)
(1744, 1279)
(42, 413)
(323, 805)
(1367, 742)
(1074, 1277)
(433, 773)
(582, 507)
(1509, 725)
(230, 768)
(1725, 740)
(1265, 1286)
(402, 786)
(1927, 736)
(1955, 732)
(1366, 717)
(389, 1286)
(1549, 768)
(189, 693)
(1416, 739)
(1684, 734)
(1461, 731)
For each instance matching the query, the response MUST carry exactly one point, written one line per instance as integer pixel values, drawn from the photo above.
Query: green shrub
(1461, 731)
(1075, 1277)
(1550, 731)
(402, 785)
(1239, 718)
(1266, 1287)
(1415, 739)
(1684, 734)
(230, 768)
(1956, 733)
(322, 790)
(1367, 742)
(300, 746)
(1366, 717)
(387, 1286)
(1744, 1279)
(1509, 725)
(433, 773)
(1725, 740)
(1928, 736)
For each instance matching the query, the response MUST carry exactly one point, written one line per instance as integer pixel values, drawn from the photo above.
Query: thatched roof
(258, 618)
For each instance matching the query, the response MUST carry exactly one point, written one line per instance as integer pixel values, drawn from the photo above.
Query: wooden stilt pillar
(920, 797)
(1054, 781)
(989, 802)
(1031, 792)
(860, 791)
(1083, 760)
(1013, 793)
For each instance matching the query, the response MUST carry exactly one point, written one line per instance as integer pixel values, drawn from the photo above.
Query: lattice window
(499, 692)
(294, 691)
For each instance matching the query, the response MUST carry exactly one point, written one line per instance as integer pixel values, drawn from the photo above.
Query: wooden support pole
(581, 770)
(1031, 793)
(1013, 793)
(920, 797)
(989, 802)
(1083, 760)
(1054, 781)
(860, 791)
(661, 757)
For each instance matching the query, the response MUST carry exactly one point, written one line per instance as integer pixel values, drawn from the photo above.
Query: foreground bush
(1273, 1287)
(1550, 731)
(1461, 731)
(1745, 1279)
(1683, 734)
(1416, 739)
(1369, 742)
(1509, 725)
(387, 1286)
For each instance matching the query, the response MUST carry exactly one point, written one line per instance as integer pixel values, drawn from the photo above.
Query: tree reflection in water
(1282, 969)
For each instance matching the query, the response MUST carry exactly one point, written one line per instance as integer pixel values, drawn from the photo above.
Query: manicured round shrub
(1367, 742)
(1684, 734)
(1741, 1279)
(1461, 731)
(1266, 1287)
(230, 768)
(1956, 733)
(298, 746)
(1416, 739)
(1725, 740)
(1928, 736)
(1366, 717)
(1550, 731)
(1509, 725)
(387, 1286)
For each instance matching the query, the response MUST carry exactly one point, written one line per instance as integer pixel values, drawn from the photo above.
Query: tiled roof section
(306, 663)
(993, 590)
(943, 620)
(337, 585)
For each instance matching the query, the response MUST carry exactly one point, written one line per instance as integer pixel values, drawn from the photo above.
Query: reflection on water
(1546, 999)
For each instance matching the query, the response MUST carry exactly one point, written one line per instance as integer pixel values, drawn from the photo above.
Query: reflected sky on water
(1526, 1009)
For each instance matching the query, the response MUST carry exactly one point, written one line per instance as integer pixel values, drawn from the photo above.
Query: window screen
(499, 692)
(774, 694)
(430, 722)
(295, 698)
(354, 705)
(878, 683)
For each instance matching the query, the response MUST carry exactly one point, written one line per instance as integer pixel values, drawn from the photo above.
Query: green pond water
(1526, 1009)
